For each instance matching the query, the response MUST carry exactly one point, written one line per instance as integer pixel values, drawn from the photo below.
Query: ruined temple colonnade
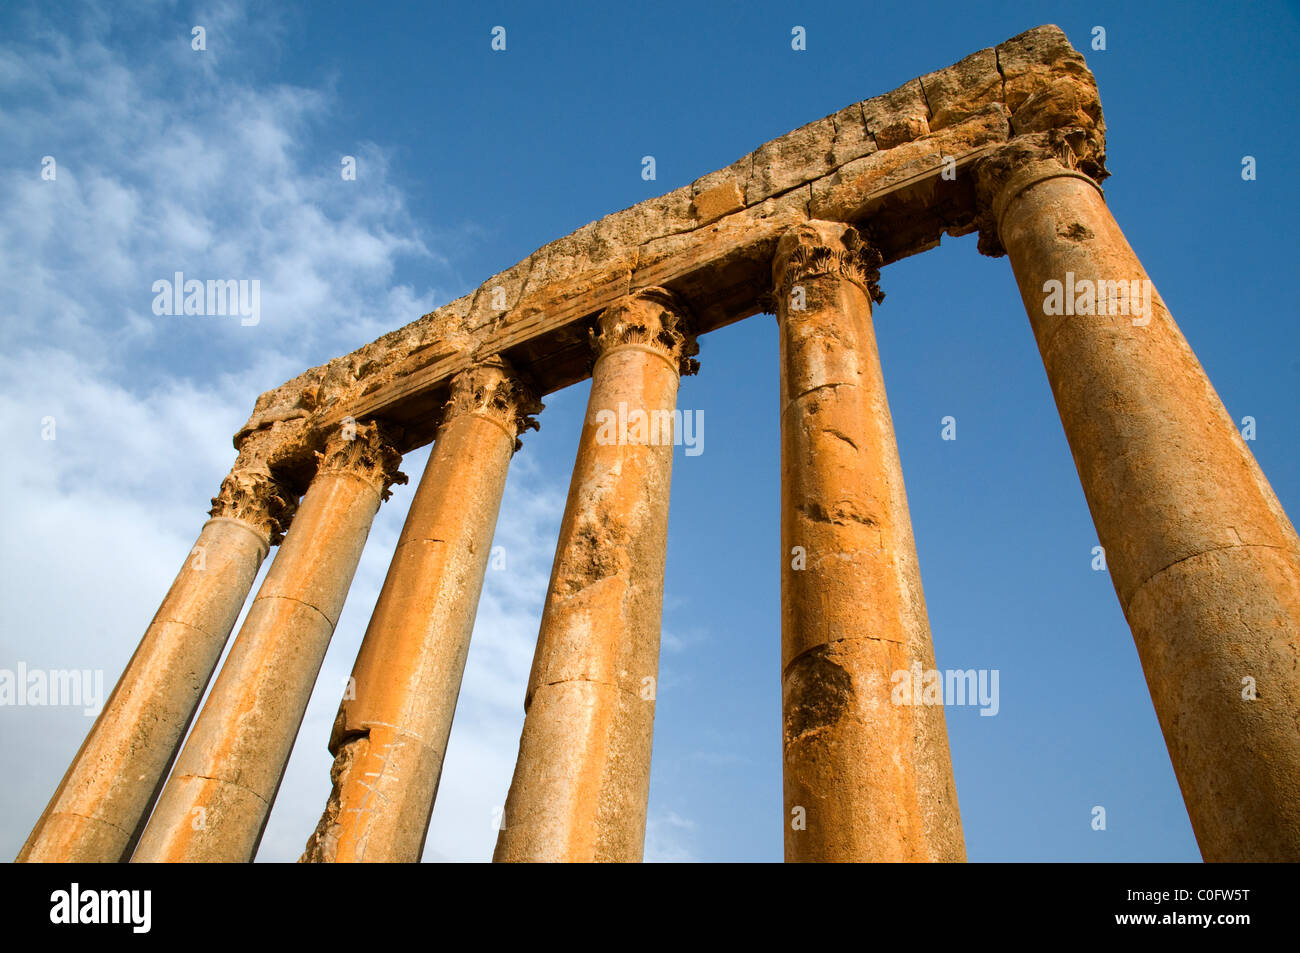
(1204, 561)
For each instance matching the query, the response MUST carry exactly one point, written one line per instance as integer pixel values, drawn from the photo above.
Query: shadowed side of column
(867, 777)
(391, 733)
(216, 803)
(101, 806)
(582, 778)
(1204, 561)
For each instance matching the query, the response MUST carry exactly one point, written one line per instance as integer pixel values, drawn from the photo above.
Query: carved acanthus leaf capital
(366, 450)
(251, 494)
(1025, 159)
(808, 251)
(492, 389)
(653, 318)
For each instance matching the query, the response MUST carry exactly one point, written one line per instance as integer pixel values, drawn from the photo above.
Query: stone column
(391, 732)
(583, 775)
(1204, 561)
(99, 809)
(867, 772)
(215, 805)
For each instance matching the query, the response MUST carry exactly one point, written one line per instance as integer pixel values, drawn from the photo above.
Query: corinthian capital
(491, 389)
(252, 494)
(819, 249)
(366, 450)
(652, 318)
(1027, 159)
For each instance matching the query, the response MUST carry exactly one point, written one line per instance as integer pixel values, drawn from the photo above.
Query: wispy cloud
(162, 164)
(667, 838)
(170, 160)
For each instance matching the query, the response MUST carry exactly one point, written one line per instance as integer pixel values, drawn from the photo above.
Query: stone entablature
(897, 166)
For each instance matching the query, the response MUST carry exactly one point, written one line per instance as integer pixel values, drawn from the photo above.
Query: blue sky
(226, 163)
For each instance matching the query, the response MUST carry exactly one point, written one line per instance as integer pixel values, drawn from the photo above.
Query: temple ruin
(1009, 143)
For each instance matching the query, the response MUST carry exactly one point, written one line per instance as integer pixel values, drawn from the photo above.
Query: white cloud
(164, 167)
(175, 161)
(667, 838)
(176, 164)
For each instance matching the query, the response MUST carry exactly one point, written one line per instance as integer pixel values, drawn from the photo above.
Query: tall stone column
(1204, 561)
(868, 776)
(100, 807)
(583, 776)
(391, 733)
(216, 802)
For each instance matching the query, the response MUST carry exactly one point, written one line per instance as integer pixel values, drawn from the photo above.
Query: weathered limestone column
(215, 805)
(1204, 561)
(98, 810)
(865, 779)
(583, 775)
(391, 733)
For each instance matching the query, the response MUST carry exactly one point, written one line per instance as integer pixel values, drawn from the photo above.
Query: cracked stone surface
(711, 241)
(1204, 561)
(215, 804)
(872, 780)
(100, 807)
(583, 774)
(391, 732)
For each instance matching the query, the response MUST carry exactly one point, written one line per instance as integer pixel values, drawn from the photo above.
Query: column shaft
(582, 779)
(1204, 561)
(215, 804)
(866, 779)
(391, 733)
(100, 807)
